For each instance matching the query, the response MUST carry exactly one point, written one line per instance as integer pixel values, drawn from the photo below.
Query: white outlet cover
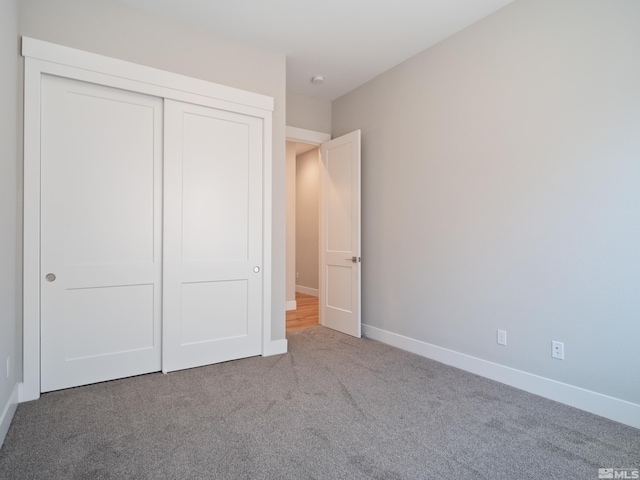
(557, 350)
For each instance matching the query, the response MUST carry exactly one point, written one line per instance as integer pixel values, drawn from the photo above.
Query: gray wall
(113, 29)
(308, 112)
(10, 305)
(307, 218)
(501, 174)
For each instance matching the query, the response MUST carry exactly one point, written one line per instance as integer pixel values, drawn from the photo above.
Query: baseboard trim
(307, 291)
(7, 413)
(275, 347)
(291, 305)
(609, 407)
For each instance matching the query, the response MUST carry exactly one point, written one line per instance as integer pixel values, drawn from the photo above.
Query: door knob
(353, 259)
(50, 277)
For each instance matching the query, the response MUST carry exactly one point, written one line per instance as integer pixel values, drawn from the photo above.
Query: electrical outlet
(8, 366)
(297, 274)
(557, 350)
(502, 337)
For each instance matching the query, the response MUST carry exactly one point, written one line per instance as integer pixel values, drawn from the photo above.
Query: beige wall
(291, 222)
(307, 217)
(308, 112)
(501, 190)
(113, 29)
(10, 268)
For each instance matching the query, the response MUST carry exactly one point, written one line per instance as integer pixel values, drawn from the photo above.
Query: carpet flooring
(334, 407)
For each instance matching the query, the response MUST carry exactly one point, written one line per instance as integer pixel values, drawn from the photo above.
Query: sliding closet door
(101, 226)
(212, 236)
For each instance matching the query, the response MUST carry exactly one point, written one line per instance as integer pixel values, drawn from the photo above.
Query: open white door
(340, 234)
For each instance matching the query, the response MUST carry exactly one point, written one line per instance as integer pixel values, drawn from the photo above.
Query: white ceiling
(347, 41)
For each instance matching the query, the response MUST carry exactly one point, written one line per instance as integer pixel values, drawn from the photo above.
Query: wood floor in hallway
(306, 314)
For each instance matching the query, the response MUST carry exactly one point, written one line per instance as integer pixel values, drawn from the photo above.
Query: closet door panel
(215, 196)
(213, 236)
(213, 310)
(101, 219)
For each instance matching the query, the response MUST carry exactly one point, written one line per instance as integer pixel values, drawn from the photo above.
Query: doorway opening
(303, 163)
(328, 182)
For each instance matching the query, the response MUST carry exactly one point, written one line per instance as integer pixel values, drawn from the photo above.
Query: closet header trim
(71, 57)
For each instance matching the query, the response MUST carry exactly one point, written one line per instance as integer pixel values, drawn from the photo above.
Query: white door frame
(43, 58)
(310, 137)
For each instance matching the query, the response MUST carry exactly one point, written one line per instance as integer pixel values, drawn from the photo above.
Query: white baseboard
(291, 305)
(7, 414)
(609, 407)
(275, 347)
(307, 291)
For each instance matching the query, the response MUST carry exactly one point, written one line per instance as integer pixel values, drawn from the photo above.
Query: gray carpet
(334, 407)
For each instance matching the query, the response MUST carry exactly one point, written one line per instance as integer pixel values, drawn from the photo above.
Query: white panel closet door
(212, 292)
(101, 229)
